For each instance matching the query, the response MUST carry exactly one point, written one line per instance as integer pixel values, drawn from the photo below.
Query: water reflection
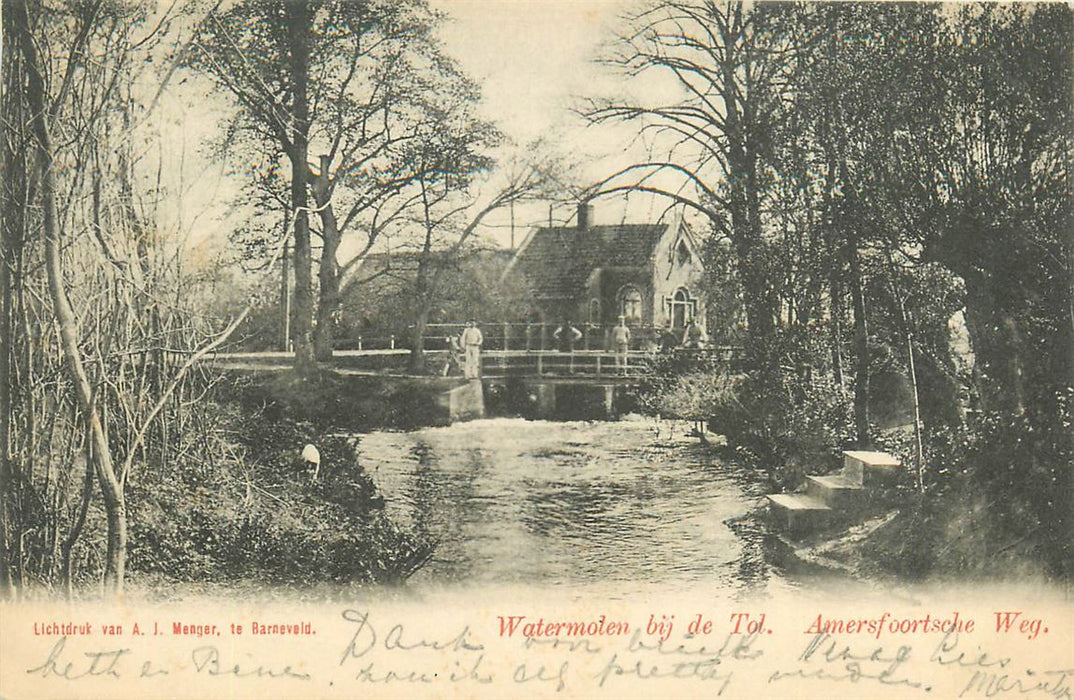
(514, 501)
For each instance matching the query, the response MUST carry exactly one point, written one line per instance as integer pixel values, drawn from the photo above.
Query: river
(513, 501)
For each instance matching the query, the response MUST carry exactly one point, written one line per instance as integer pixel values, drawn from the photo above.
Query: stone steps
(868, 468)
(798, 514)
(835, 491)
(840, 497)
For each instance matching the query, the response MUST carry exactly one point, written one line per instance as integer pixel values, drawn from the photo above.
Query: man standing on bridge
(471, 341)
(566, 336)
(621, 344)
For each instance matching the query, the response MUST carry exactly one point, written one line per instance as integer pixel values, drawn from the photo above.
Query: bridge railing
(501, 336)
(582, 363)
(535, 336)
(587, 363)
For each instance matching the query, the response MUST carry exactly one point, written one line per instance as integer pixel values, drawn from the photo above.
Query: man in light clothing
(471, 341)
(621, 343)
(694, 336)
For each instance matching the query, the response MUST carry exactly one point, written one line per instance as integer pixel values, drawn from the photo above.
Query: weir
(539, 384)
(464, 402)
(555, 398)
(532, 397)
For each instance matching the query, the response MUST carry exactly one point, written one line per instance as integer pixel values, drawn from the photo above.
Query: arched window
(682, 308)
(630, 303)
(683, 252)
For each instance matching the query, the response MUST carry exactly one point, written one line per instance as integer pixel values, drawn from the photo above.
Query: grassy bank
(996, 496)
(246, 513)
(340, 402)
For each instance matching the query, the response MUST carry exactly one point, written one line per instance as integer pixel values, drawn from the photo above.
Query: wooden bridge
(577, 366)
(535, 383)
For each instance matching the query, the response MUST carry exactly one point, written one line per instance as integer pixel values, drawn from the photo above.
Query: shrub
(788, 424)
(259, 517)
(997, 502)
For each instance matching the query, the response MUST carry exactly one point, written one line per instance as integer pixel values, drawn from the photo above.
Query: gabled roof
(558, 260)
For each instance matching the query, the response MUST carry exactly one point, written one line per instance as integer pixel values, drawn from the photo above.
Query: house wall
(592, 291)
(613, 280)
(657, 281)
(669, 275)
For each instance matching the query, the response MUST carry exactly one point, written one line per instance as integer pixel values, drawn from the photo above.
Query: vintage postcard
(536, 348)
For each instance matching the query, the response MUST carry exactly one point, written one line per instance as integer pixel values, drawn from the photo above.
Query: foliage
(998, 502)
(262, 518)
(952, 202)
(788, 427)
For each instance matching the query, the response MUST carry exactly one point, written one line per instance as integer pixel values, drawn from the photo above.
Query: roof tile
(558, 260)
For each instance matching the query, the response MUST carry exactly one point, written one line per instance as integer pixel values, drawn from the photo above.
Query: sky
(537, 62)
(533, 58)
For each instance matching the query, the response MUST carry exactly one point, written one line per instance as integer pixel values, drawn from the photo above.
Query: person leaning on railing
(566, 336)
(455, 355)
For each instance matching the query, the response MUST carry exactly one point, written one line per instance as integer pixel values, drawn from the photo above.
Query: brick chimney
(585, 215)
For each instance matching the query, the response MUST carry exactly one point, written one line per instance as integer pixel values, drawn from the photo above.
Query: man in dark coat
(566, 336)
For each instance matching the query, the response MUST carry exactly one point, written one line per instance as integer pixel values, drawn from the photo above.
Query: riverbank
(255, 516)
(259, 516)
(248, 514)
(338, 402)
(992, 501)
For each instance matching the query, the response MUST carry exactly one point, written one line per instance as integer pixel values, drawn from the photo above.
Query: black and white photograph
(519, 348)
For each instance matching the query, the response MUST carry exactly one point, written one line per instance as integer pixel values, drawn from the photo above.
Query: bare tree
(120, 387)
(337, 88)
(712, 146)
(451, 212)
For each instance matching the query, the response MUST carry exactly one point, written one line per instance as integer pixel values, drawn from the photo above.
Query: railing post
(540, 364)
(359, 343)
(598, 365)
(391, 341)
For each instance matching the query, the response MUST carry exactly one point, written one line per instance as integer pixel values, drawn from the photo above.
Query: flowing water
(553, 503)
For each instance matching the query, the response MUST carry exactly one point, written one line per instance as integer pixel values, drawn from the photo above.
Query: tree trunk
(745, 224)
(835, 275)
(417, 344)
(997, 349)
(111, 489)
(298, 24)
(835, 292)
(76, 529)
(7, 481)
(285, 287)
(329, 268)
(756, 290)
(13, 199)
(861, 345)
(424, 285)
